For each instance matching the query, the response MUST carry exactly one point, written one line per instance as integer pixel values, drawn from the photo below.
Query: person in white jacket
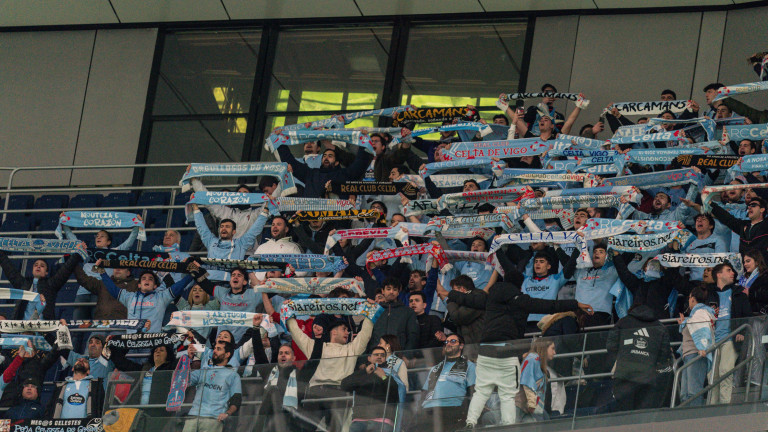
(280, 243)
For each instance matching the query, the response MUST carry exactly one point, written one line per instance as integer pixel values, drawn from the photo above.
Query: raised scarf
(309, 286)
(434, 115)
(294, 204)
(740, 89)
(486, 196)
(361, 233)
(374, 188)
(570, 202)
(653, 137)
(420, 230)
(484, 165)
(457, 180)
(497, 149)
(568, 96)
(753, 132)
(17, 294)
(297, 137)
(649, 108)
(63, 339)
(334, 122)
(707, 161)
(709, 192)
(46, 246)
(656, 179)
(145, 340)
(382, 112)
(751, 163)
(291, 395)
(38, 342)
(304, 262)
(304, 216)
(101, 220)
(700, 260)
(649, 242)
(493, 220)
(207, 318)
(418, 249)
(181, 266)
(564, 215)
(330, 306)
(227, 199)
(245, 169)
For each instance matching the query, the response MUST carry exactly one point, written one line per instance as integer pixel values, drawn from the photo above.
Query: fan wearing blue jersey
(218, 394)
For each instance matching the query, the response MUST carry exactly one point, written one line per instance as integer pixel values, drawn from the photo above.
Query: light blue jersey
(216, 386)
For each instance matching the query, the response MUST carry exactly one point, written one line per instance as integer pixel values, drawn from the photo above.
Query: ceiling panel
(418, 7)
(169, 10)
(532, 5)
(614, 4)
(46, 12)
(265, 9)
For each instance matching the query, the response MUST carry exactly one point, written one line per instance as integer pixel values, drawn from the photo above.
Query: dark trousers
(332, 411)
(631, 396)
(440, 419)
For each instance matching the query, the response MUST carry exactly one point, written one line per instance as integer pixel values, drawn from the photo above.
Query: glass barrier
(441, 388)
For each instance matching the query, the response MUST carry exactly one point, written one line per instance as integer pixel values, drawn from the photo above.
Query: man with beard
(753, 232)
(227, 246)
(447, 390)
(375, 394)
(314, 179)
(280, 243)
(218, 394)
(235, 299)
(80, 396)
(99, 366)
(280, 397)
(662, 209)
(243, 215)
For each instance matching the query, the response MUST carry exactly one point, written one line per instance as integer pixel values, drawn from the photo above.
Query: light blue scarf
(483, 165)
(753, 132)
(47, 246)
(352, 137)
(498, 149)
(331, 306)
(740, 89)
(751, 163)
(245, 169)
(101, 220)
(383, 112)
(649, 242)
(226, 199)
(306, 262)
(657, 179)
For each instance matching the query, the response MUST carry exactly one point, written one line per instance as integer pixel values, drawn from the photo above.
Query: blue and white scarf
(569, 96)
(564, 215)
(331, 306)
(332, 123)
(227, 199)
(508, 174)
(484, 129)
(206, 318)
(637, 226)
(309, 286)
(306, 262)
(352, 137)
(657, 179)
(631, 130)
(291, 395)
(649, 108)
(38, 342)
(708, 192)
(386, 112)
(294, 204)
(573, 166)
(100, 220)
(245, 169)
(557, 237)
(751, 163)
(565, 142)
(570, 202)
(486, 196)
(457, 180)
(649, 242)
(483, 165)
(740, 89)
(586, 180)
(630, 192)
(753, 132)
(701, 260)
(396, 232)
(493, 220)
(659, 156)
(421, 230)
(17, 294)
(661, 136)
(47, 246)
(496, 149)
(708, 125)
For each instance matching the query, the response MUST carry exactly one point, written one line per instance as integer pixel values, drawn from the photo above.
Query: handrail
(713, 348)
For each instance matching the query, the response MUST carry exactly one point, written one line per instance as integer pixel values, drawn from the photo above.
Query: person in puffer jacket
(640, 344)
(397, 319)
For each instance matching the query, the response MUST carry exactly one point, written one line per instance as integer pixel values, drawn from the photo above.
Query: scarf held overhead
(419, 249)
(650, 108)
(310, 286)
(272, 169)
(304, 216)
(205, 318)
(740, 89)
(331, 306)
(374, 188)
(48, 246)
(434, 115)
(100, 220)
(304, 262)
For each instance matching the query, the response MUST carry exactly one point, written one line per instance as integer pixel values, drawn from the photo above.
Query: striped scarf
(740, 89)
(205, 318)
(47, 246)
(304, 216)
(649, 242)
(324, 286)
(497, 149)
(245, 169)
(709, 192)
(101, 220)
(493, 220)
(419, 249)
(305, 262)
(294, 137)
(657, 179)
(291, 395)
(294, 204)
(205, 198)
(331, 306)
(486, 196)
(396, 233)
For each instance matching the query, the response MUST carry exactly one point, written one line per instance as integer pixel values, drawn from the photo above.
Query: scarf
(649, 108)
(374, 188)
(484, 129)
(700, 260)
(69, 425)
(493, 220)
(637, 226)
(179, 382)
(558, 237)
(330, 306)
(246, 169)
(396, 132)
(17, 294)
(649, 242)
(570, 202)
(631, 130)
(145, 340)
(38, 342)
(630, 192)
(296, 137)
(304, 216)
(708, 192)
(207, 318)
(746, 282)
(420, 230)
(572, 142)
(584, 154)
(383, 112)
(740, 89)
(305, 262)
(659, 156)
(497, 149)
(569, 96)
(47, 246)
(433, 115)
(418, 249)
(564, 215)
(294, 204)
(457, 180)
(161, 253)
(484, 165)
(707, 161)
(208, 264)
(330, 123)
(100, 219)
(226, 199)
(291, 395)
(656, 179)
(63, 339)
(486, 196)
(751, 163)
(753, 132)
(526, 176)
(309, 286)
(396, 233)
(123, 324)
(707, 124)
(458, 373)
(490, 261)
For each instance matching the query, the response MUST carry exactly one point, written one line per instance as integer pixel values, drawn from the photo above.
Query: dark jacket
(653, 293)
(751, 236)
(506, 313)
(315, 178)
(161, 376)
(48, 286)
(391, 158)
(649, 348)
(94, 404)
(312, 241)
(107, 307)
(25, 410)
(758, 294)
(371, 392)
(398, 320)
(33, 367)
(740, 307)
(428, 326)
(470, 321)
(272, 400)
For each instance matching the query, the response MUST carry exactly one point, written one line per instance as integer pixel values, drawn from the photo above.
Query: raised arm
(249, 238)
(202, 228)
(303, 341)
(727, 219)
(627, 278)
(356, 170)
(60, 277)
(128, 243)
(300, 170)
(11, 272)
(92, 284)
(570, 266)
(113, 289)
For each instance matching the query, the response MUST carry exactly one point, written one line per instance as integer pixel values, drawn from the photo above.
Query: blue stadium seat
(86, 201)
(16, 222)
(118, 238)
(186, 240)
(156, 219)
(153, 198)
(153, 238)
(182, 198)
(47, 221)
(19, 202)
(118, 199)
(178, 218)
(52, 202)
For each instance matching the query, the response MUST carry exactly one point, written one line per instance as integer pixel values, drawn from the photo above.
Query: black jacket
(506, 312)
(161, 376)
(428, 326)
(33, 367)
(371, 392)
(751, 236)
(469, 320)
(315, 178)
(758, 294)
(48, 286)
(653, 293)
(398, 320)
(640, 345)
(25, 410)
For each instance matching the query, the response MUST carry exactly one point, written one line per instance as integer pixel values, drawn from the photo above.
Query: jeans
(501, 373)
(692, 379)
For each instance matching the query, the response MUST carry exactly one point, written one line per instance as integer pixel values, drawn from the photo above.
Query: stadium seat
(16, 222)
(182, 198)
(153, 238)
(52, 202)
(186, 240)
(19, 202)
(118, 199)
(86, 201)
(153, 199)
(118, 238)
(47, 221)
(178, 218)
(156, 219)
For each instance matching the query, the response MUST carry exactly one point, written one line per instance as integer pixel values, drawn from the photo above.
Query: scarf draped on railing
(296, 137)
(17, 294)
(374, 188)
(100, 220)
(506, 194)
(650, 108)
(740, 89)
(144, 340)
(244, 169)
(304, 262)
(434, 115)
(309, 286)
(205, 198)
(656, 179)
(708, 192)
(294, 204)
(45, 246)
(304, 216)
(396, 233)
(497, 149)
(330, 306)
(417, 249)
(484, 165)
(206, 318)
(649, 242)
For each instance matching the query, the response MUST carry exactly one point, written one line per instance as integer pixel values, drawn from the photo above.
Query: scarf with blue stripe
(751, 163)
(245, 169)
(352, 137)
(291, 395)
(226, 199)
(332, 306)
(47, 246)
(657, 179)
(101, 220)
(480, 165)
(306, 262)
(498, 149)
(740, 89)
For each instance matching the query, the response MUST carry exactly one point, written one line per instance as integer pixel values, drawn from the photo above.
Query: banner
(740, 89)
(71, 425)
(332, 306)
(707, 161)
(649, 108)
(245, 169)
(144, 340)
(374, 188)
(303, 216)
(434, 115)
(309, 286)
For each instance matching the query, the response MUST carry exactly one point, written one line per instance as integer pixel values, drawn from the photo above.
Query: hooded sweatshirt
(640, 344)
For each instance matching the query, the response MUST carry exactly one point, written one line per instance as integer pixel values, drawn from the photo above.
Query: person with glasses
(446, 392)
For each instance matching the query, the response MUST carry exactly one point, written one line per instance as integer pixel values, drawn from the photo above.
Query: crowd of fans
(349, 371)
